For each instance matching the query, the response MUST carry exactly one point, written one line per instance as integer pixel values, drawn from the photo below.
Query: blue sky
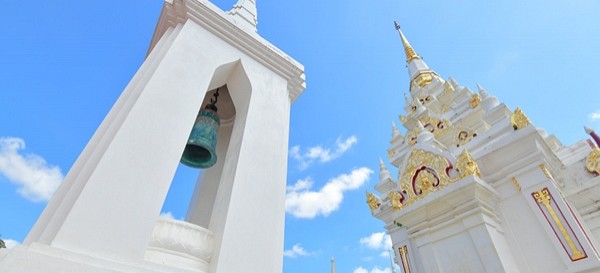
(64, 63)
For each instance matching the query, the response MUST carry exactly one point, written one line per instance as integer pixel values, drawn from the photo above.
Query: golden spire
(410, 52)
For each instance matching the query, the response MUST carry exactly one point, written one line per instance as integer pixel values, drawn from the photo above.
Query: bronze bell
(200, 150)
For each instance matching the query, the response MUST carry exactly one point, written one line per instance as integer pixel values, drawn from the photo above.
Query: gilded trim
(546, 171)
(404, 258)
(543, 197)
(516, 184)
(423, 78)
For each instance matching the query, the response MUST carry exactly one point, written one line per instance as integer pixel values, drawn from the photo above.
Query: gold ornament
(463, 136)
(518, 119)
(428, 170)
(475, 100)
(465, 165)
(396, 199)
(593, 161)
(425, 182)
(422, 79)
(434, 125)
(373, 201)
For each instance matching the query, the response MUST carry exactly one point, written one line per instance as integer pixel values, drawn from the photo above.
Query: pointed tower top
(332, 265)
(411, 54)
(245, 14)
(384, 174)
(395, 132)
(418, 71)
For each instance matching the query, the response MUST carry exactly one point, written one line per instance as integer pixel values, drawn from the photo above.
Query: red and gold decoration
(404, 258)
(426, 172)
(373, 201)
(559, 224)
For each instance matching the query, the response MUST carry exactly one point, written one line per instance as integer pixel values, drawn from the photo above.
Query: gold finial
(519, 119)
(373, 201)
(410, 52)
(593, 161)
(475, 100)
(465, 164)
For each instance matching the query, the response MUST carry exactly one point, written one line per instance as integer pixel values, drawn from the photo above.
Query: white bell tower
(105, 215)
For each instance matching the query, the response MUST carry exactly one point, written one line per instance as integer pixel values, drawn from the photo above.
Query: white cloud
(379, 270)
(301, 202)
(373, 270)
(11, 243)
(296, 251)
(595, 116)
(360, 270)
(301, 185)
(378, 240)
(320, 154)
(168, 215)
(36, 180)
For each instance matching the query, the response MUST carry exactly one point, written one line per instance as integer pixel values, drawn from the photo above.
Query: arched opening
(208, 199)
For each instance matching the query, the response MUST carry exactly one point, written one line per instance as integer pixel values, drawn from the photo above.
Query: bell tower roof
(245, 14)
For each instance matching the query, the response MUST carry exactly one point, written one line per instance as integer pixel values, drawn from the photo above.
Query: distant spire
(410, 52)
(395, 132)
(488, 101)
(332, 265)
(384, 174)
(455, 84)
